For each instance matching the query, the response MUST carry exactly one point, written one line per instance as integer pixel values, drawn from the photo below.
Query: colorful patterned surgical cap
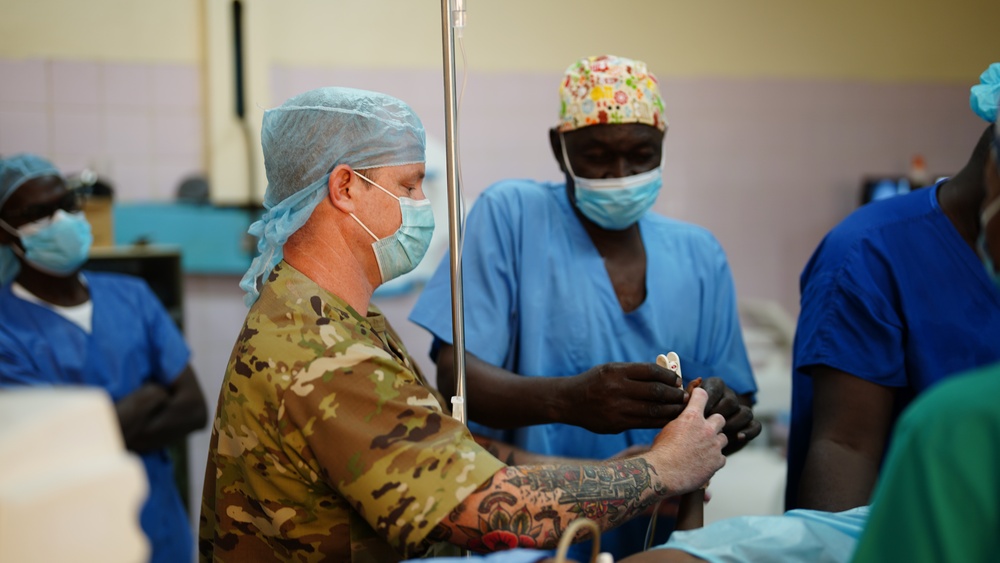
(609, 89)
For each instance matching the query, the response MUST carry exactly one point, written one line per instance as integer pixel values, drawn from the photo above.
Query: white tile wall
(24, 130)
(128, 86)
(24, 83)
(78, 131)
(137, 125)
(176, 87)
(177, 133)
(75, 83)
(129, 134)
(136, 172)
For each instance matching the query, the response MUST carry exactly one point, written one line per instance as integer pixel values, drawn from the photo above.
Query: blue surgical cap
(984, 96)
(16, 171)
(303, 140)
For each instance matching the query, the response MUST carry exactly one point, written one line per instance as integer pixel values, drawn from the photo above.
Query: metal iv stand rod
(451, 18)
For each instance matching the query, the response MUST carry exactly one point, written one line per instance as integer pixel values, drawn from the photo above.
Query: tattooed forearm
(620, 488)
(529, 506)
(619, 479)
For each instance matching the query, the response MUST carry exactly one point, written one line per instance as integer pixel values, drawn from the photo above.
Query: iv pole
(452, 18)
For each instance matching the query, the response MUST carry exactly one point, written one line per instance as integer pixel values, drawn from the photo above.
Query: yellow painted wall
(105, 30)
(883, 40)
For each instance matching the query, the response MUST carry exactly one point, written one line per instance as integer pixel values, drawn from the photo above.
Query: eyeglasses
(71, 202)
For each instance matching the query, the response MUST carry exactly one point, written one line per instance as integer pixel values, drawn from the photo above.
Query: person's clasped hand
(741, 427)
(611, 398)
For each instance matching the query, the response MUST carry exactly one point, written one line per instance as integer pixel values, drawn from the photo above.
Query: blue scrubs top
(539, 302)
(132, 341)
(895, 296)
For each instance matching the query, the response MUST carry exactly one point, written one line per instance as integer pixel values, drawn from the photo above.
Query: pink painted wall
(768, 165)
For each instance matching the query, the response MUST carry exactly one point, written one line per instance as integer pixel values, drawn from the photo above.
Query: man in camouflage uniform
(328, 444)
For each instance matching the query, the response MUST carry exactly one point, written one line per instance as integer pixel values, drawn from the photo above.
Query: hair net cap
(304, 139)
(310, 134)
(15, 171)
(609, 89)
(984, 96)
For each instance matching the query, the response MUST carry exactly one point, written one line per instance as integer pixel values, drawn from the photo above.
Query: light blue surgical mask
(988, 214)
(615, 203)
(400, 252)
(57, 245)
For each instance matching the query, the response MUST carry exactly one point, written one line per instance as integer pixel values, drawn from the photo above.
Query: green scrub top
(939, 496)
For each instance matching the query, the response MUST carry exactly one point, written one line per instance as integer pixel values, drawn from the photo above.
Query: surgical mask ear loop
(984, 220)
(355, 217)
(14, 247)
(565, 155)
(367, 230)
(989, 213)
(9, 228)
(390, 194)
(569, 167)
